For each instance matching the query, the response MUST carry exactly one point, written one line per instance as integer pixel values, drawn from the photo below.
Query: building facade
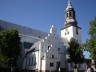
(47, 52)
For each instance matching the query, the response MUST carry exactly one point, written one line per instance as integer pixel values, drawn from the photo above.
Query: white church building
(47, 52)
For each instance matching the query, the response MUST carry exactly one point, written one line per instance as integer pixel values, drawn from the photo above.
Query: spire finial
(53, 29)
(69, 4)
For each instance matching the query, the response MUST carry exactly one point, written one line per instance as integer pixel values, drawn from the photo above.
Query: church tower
(71, 28)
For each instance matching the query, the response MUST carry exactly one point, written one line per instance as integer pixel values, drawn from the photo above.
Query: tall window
(52, 56)
(31, 60)
(67, 14)
(49, 47)
(70, 14)
(34, 61)
(51, 64)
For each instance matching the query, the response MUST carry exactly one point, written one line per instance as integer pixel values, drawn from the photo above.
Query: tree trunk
(75, 67)
(93, 62)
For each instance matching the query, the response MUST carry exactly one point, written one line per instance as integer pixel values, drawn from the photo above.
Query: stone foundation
(62, 70)
(78, 71)
(45, 71)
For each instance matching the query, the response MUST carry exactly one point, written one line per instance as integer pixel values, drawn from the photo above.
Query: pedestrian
(90, 69)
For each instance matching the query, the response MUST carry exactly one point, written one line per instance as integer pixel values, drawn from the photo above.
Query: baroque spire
(70, 18)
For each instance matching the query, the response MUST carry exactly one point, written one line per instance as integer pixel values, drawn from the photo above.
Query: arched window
(67, 14)
(70, 14)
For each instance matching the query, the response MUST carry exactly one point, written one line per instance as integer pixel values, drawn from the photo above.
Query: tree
(75, 52)
(3, 61)
(91, 43)
(9, 47)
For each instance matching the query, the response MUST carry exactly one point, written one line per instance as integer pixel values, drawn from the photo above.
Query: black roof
(4, 25)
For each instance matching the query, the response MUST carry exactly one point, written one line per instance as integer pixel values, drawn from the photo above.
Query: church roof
(4, 25)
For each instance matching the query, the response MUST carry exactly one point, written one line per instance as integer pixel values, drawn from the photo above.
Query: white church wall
(51, 50)
(70, 32)
(38, 55)
(53, 60)
(62, 60)
(77, 35)
(54, 42)
(32, 54)
(25, 39)
(43, 65)
(67, 33)
(31, 61)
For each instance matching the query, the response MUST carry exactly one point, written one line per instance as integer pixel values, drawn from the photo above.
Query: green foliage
(75, 52)
(91, 43)
(3, 61)
(9, 47)
(92, 30)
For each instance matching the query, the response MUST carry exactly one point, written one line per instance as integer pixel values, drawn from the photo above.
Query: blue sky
(41, 14)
